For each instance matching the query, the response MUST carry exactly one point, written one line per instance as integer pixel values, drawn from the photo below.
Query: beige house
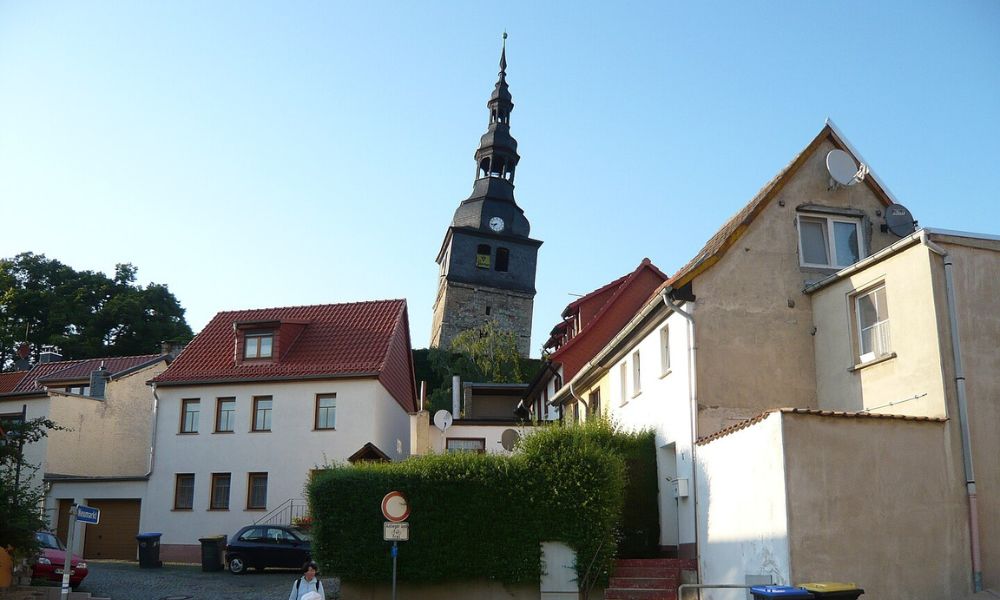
(829, 444)
(102, 457)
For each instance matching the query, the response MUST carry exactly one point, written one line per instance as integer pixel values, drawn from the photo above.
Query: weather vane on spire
(503, 54)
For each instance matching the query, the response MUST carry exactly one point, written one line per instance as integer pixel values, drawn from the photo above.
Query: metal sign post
(78, 513)
(396, 510)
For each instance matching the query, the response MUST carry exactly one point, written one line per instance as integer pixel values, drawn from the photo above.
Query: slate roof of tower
(363, 339)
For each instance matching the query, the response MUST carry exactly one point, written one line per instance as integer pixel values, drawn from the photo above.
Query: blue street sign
(87, 514)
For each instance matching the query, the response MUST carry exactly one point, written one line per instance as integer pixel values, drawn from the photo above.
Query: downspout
(578, 399)
(963, 412)
(152, 441)
(693, 409)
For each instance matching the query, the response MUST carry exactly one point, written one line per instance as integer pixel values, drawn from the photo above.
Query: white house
(259, 399)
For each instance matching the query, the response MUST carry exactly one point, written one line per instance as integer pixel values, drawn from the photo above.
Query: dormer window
(258, 344)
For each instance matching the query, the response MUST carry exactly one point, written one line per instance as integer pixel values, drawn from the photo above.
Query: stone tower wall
(460, 307)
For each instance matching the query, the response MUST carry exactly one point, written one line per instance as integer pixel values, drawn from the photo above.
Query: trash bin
(831, 589)
(760, 592)
(212, 550)
(149, 550)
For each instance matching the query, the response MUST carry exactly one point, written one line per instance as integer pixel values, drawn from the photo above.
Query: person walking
(308, 583)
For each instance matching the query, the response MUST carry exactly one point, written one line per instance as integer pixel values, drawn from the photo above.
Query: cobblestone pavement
(126, 581)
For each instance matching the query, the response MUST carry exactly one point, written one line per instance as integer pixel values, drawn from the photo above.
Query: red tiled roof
(737, 225)
(77, 370)
(361, 339)
(817, 413)
(8, 381)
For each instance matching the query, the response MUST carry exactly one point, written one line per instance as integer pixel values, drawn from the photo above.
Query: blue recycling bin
(149, 550)
(762, 592)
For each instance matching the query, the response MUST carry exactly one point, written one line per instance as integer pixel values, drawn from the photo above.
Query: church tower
(487, 259)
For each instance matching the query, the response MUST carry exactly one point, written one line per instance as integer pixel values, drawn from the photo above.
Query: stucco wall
(109, 437)
(876, 502)
(912, 381)
(743, 520)
(977, 289)
(664, 406)
(754, 321)
(490, 433)
(365, 413)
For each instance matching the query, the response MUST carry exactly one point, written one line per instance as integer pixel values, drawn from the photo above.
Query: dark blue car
(262, 546)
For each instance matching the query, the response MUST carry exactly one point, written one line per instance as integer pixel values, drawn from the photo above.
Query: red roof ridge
(318, 305)
(625, 280)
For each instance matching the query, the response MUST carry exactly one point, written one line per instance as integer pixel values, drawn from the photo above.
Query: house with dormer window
(260, 398)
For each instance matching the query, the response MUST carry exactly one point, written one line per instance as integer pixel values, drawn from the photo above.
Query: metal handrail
(296, 507)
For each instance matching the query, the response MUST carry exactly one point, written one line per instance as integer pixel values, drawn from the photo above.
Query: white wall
(491, 433)
(365, 412)
(84, 491)
(742, 513)
(34, 454)
(664, 406)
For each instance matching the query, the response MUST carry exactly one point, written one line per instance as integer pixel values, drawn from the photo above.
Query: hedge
(476, 516)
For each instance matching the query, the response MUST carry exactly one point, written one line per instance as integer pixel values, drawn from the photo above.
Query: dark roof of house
(736, 226)
(8, 381)
(359, 339)
(77, 370)
(814, 412)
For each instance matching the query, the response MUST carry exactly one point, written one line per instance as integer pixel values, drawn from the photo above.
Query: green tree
(20, 499)
(85, 313)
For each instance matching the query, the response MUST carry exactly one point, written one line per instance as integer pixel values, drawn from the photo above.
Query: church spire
(497, 154)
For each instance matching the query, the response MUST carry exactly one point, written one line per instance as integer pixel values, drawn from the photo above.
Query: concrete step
(43, 593)
(644, 583)
(633, 572)
(628, 594)
(670, 563)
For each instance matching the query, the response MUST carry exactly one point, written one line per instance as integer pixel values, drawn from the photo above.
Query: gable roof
(736, 226)
(620, 286)
(359, 339)
(76, 370)
(8, 381)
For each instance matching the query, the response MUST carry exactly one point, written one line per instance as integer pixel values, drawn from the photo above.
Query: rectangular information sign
(88, 515)
(396, 532)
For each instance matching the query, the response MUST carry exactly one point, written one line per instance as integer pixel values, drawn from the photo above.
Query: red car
(52, 560)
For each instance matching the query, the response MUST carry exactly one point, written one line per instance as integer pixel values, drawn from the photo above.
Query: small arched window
(503, 259)
(483, 256)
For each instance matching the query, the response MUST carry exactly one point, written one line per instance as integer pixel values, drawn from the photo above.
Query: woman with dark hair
(309, 583)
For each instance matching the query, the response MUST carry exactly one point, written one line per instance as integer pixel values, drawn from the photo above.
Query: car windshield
(48, 540)
(305, 537)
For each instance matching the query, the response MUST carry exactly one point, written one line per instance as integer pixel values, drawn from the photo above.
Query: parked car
(50, 563)
(263, 546)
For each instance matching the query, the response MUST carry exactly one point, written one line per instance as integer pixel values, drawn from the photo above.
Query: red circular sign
(395, 508)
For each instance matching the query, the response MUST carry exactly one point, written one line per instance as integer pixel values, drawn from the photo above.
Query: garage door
(114, 537)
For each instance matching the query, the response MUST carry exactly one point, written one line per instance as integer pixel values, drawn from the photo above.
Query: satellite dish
(442, 420)
(843, 170)
(899, 221)
(509, 439)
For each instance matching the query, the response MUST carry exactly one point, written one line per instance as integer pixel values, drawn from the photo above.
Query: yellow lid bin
(833, 589)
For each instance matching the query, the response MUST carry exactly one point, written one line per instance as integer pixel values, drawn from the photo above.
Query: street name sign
(88, 515)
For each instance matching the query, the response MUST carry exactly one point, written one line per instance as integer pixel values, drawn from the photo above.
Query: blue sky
(253, 154)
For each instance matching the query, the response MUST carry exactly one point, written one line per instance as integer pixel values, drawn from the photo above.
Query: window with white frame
(623, 380)
(477, 445)
(829, 241)
(664, 350)
(872, 324)
(636, 375)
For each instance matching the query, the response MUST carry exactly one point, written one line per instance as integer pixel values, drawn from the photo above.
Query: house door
(666, 466)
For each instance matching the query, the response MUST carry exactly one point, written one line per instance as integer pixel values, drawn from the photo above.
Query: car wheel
(237, 566)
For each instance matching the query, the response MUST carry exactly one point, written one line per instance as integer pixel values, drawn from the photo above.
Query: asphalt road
(126, 581)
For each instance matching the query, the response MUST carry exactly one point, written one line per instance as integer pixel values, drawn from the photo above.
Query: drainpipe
(152, 441)
(693, 408)
(963, 412)
(578, 399)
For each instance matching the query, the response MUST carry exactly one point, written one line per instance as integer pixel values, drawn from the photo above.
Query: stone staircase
(647, 578)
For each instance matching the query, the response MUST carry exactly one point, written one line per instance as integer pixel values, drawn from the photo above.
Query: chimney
(171, 347)
(98, 379)
(49, 354)
(456, 397)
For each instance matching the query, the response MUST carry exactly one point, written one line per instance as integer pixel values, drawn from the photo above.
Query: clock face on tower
(496, 224)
